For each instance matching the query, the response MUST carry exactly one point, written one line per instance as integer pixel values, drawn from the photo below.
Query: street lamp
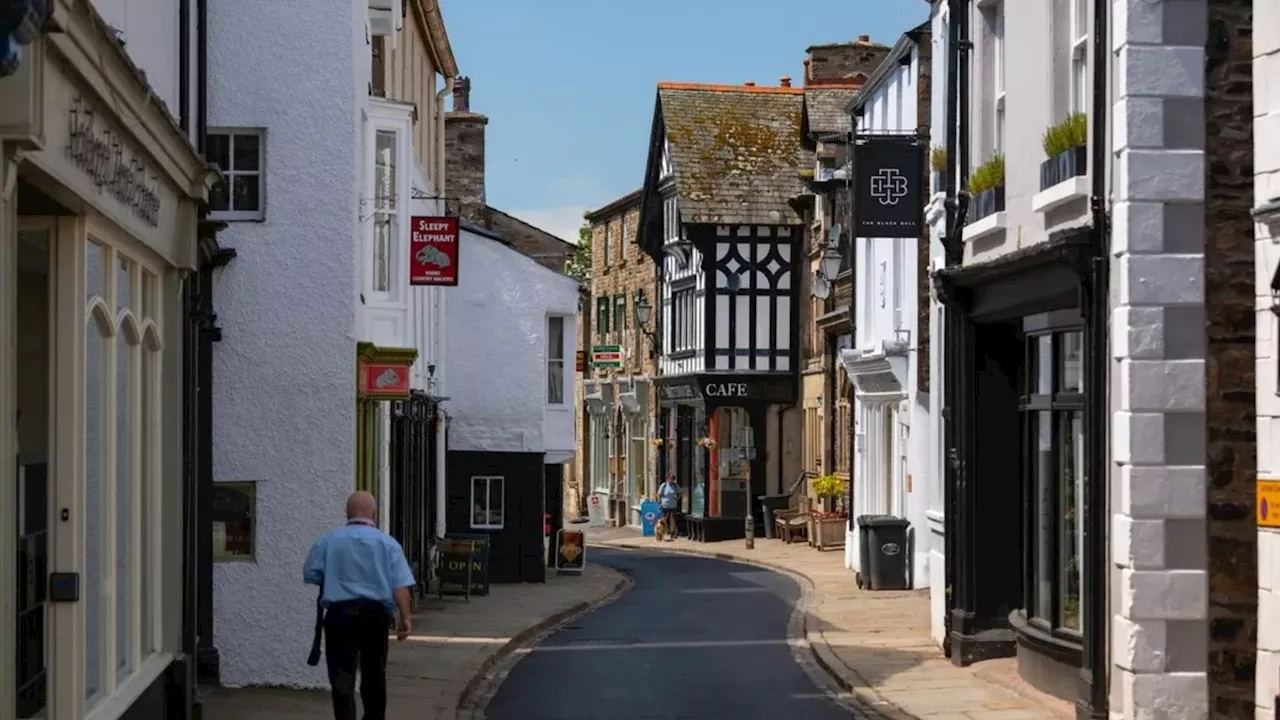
(643, 311)
(830, 263)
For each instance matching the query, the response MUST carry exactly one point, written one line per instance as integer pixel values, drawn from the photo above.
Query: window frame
(552, 362)
(229, 174)
(999, 54)
(608, 243)
(1060, 406)
(603, 310)
(390, 212)
(488, 496)
(1078, 83)
(683, 309)
(620, 313)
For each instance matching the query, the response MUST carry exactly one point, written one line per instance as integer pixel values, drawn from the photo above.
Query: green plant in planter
(988, 175)
(1066, 135)
(938, 159)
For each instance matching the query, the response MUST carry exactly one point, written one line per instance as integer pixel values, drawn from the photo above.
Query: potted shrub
(938, 163)
(1066, 147)
(986, 188)
(827, 526)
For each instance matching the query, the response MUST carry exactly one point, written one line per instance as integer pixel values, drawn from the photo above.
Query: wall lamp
(643, 310)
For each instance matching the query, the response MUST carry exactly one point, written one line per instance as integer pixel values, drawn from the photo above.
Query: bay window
(385, 227)
(1053, 405)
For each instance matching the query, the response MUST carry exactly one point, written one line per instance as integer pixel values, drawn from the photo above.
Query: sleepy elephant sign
(433, 251)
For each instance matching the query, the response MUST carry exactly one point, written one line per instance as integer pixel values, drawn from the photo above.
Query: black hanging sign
(889, 182)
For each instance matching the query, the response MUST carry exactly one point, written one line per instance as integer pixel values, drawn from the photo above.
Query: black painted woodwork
(515, 551)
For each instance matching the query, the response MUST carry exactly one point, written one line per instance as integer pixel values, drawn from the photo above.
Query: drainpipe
(184, 66)
(440, 145)
(1094, 670)
(202, 73)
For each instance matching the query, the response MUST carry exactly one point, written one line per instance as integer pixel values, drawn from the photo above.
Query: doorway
(34, 363)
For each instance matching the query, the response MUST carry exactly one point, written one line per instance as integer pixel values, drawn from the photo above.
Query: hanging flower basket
(707, 443)
(656, 442)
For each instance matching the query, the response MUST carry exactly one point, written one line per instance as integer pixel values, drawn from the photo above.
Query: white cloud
(563, 222)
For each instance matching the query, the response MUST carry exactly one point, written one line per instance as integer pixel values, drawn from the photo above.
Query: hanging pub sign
(433, 251)
(383, 373)
(889, 184)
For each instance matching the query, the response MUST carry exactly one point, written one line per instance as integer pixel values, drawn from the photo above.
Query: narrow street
(694, 638)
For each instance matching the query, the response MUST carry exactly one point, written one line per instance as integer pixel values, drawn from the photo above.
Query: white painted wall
(885, 282)
(497, 357)
(1266, 72)
(283, 392)
(935, 456)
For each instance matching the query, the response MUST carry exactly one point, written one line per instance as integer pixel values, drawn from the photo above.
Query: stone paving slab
(876, 644)
(453, 645)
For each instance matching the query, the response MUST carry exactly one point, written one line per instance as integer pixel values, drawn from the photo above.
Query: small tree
(578, 265)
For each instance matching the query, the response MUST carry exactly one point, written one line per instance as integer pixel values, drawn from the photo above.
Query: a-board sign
(479, 560)
(571, 557)
(455, 576)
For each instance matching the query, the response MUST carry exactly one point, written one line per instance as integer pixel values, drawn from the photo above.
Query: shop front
(99, 216)
(633, 444)
(1028, 365)
(601, 418)
(383, 377)
(715, 440)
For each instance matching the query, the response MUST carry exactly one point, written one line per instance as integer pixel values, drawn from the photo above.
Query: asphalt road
(694, 638)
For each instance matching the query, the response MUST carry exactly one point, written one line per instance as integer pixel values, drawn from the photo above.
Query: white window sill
(1060, 194)
(989, 225)
(486, 527)
(937, 207)
(936, 521)
(131, 689)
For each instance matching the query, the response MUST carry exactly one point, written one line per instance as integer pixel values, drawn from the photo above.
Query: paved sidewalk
(877, 644)
(453, 644)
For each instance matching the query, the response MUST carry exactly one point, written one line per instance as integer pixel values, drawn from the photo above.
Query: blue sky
(569, 85)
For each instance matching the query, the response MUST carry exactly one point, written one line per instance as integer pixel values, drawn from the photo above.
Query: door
(33, 355)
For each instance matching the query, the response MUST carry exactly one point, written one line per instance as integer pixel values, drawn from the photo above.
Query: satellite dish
(821, 287)
(833, 236)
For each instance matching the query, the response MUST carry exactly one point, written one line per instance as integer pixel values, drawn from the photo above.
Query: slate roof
(825, 109)
(735, 151)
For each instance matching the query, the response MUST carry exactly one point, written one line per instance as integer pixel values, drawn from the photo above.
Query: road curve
(695, 638)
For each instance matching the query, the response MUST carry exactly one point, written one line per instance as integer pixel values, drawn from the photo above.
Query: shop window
(1053, 407)
(235, 514)
(240, 154)
(486, 502)
(555, 360)
(126, 478)
(98, 331)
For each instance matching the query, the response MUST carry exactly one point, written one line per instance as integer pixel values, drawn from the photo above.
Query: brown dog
(660, 530)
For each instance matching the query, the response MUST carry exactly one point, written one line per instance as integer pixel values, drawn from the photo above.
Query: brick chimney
(843, 63)
(785, 81)
(462, 94)
(464, 156)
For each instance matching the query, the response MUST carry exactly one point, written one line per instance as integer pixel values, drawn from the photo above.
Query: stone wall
(1160, 605)
(464, 165)
(1231, 430)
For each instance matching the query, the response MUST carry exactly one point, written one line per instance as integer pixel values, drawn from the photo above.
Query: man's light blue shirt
(357, 562)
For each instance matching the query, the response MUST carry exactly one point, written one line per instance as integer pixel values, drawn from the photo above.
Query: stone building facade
(615, 437)
(465, 168)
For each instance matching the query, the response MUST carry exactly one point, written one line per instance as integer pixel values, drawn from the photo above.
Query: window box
(1064, 166)
(987, 203)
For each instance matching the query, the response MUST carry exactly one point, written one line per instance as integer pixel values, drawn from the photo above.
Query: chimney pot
(462, 94)
(807, 75)
(864, 38)
(749, 84)
(786, 81)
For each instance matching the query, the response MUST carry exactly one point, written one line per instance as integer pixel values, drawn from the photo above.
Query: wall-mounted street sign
(433, 251)
(606, 356)
(1268, 503)
(889, 185)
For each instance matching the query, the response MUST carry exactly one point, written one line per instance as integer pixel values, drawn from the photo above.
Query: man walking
(669, 501)
(364, 580)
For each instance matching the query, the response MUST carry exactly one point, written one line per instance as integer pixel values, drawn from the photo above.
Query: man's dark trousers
(355, 636)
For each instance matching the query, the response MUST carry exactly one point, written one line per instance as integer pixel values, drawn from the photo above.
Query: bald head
(361, 505)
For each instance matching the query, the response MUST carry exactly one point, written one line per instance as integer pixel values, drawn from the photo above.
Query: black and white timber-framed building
(717, 218)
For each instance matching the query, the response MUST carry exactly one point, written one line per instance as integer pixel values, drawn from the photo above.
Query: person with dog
(364, 581)
(669, 502)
